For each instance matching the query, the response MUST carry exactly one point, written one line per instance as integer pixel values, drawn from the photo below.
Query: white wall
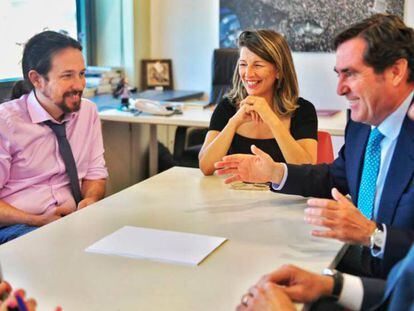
(409, 12)
(317, 80)
(187, 32)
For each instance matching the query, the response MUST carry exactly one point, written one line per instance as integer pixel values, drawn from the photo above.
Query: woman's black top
(303, 124)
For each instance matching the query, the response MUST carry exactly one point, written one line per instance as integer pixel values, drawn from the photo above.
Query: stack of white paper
(159, 245)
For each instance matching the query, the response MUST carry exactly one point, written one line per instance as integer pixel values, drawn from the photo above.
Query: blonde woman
(263, 108)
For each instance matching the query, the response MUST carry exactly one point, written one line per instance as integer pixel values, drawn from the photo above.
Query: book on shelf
(103, 79)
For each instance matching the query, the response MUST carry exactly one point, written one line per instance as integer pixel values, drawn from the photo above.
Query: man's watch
(376, 240)
(338, 279)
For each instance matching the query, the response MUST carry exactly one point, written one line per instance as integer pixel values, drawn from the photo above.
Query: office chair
(325, 148)
(188, 141)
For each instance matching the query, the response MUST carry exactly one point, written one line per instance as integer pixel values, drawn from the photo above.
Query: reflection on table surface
(265, 230)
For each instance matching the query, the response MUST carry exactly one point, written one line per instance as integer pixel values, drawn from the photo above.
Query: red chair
(325, 149)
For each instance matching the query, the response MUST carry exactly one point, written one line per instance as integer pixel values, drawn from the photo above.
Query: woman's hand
(259, 106)
(241, 116)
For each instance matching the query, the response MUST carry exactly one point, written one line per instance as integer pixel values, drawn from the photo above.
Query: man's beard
(75, 105)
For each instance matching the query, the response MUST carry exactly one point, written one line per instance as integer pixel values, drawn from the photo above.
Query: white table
(196, 117)
(265, 230)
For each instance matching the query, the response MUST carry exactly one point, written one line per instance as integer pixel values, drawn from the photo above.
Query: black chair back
(224, 63)
(187, 144)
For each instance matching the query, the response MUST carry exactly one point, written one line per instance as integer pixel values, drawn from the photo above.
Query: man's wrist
(277, 173)
(33, 220)
(327, 285)
(371, 229)
(334, 290)
(377, 238)
(94, 198)
(87, 201)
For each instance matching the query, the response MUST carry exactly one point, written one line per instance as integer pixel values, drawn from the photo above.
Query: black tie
(67, 156)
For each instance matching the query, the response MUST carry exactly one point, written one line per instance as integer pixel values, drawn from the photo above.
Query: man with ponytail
(51, 149)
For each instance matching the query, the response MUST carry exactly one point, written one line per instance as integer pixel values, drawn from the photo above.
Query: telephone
(151, 106)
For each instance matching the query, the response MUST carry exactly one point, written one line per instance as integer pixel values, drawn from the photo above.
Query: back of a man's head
(388, 39)
(37, 55)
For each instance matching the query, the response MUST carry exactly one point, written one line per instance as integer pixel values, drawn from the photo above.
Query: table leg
(153, 151)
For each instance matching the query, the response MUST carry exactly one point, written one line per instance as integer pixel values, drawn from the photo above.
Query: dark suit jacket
(397, 293)
(396, 208)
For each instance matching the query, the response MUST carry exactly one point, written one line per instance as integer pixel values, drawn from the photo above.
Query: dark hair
(388, 39)
(37, 55)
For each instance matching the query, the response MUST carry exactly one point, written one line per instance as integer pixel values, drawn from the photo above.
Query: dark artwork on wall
(308, 25)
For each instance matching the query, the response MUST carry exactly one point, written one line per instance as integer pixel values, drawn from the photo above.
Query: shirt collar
(39, 115)
(391, 126)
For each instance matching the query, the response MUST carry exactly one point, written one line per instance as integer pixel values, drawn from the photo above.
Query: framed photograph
(156, 73)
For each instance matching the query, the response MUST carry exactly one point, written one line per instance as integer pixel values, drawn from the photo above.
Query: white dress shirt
(352, 292)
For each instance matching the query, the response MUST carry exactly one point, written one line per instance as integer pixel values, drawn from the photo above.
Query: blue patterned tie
(372, 159)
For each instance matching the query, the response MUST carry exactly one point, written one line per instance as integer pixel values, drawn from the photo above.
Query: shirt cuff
(352, 293)
(379, 253)
(283, 181)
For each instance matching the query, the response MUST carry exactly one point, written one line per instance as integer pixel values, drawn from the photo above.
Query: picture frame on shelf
(156, 74)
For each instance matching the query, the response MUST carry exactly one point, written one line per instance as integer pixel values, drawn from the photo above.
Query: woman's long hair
(273, 48)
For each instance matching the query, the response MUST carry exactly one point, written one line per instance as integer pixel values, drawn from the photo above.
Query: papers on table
(158, 245)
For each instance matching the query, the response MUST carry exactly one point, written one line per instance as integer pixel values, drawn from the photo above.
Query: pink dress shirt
(32, 172)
